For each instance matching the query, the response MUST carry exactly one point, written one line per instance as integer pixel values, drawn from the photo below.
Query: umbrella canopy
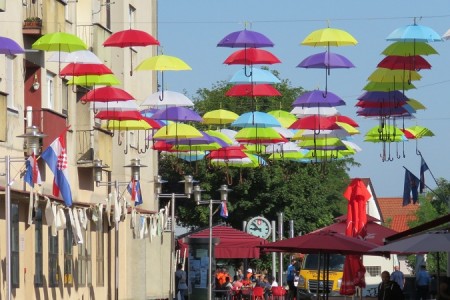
(127, 125)
(79, 57)
(409, 49)
(245, 39)
(251, 56)
(177, 113)
(384, 133)
(325, 60)
(314, 122)
(414, 33)
(388, 75)
(219, 116)
(115, 105)
(130, 38)
(59, 41)
(229, 152)
(76, 69)
(329, 37)
(318, 98)
(252, 90)
(343, 119)
(177, 131)
(256, 119)
(118, 115)
(163, 63)
(259, 135)
(9, 46)
(301, 112)
(106, 94)
(170, 99)
(284, 117)
(93, 80)
(321, 242)
(388, 86)
(396, 62)
(432, 241)
(257, 76)
(417, 132)
(221, 136)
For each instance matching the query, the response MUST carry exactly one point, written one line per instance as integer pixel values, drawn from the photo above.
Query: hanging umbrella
(284, 117)
(414, 33)
(228, 132)
(313, 122)
(59, 41)
(9, 46)
(386, 133)
(130, 38)
(94, 80)
(126, 125)
(170, 99)
(343, 119)
(259, 136)
(229, 152)
(388, 86)
(79, 57)
(177, 131)
(256, 119)
(387, 75)
(417, 105)
(118, 115)
(76, 69)
(396, 62)
(106, 94)
(219, 116)
(177, 113)
(318, 98)
(283, 148)
(222, 136)
(383, 99)
(258, 76)
(251, 56)
(252, 90)
(383, 112)
(417, 132)
(163, 63)
(285, 132)
(330, 143)
(326, 60)
(245, 39)
(115, 105)
(409, 48)
(329, 37)
(301, 112)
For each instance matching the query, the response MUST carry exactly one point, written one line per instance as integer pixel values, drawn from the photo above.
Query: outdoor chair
(278, 293)
(258, 293)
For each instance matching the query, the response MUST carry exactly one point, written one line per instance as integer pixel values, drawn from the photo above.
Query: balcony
(32, 25)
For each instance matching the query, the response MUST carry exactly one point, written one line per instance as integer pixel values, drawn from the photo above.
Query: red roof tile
(395, 214)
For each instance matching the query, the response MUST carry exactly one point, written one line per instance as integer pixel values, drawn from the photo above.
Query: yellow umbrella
(329, 37)
(284, 117)
(388, 75)
(415, 104)
(221, 136)
(177, 131)
(388, 86)
(127, 125)
(219, 116)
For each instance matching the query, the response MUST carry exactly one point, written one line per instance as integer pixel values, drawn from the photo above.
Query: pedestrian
(290, 278)
(389, 289)
(180, 282)
(423, 281)
(398, 277)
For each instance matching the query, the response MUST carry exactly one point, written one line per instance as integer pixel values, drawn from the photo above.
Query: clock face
(260, 227)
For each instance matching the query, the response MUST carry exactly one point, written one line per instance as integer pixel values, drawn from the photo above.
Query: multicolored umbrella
(417, 132)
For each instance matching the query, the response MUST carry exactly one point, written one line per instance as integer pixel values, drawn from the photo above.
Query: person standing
(423, 281)
(180, 282)
(398, 277)
(389, 289)
(290, 277)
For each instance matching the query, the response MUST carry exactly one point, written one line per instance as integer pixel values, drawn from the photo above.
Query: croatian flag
(32, 174)
(56, 158)
(223, 209)
(134, 188)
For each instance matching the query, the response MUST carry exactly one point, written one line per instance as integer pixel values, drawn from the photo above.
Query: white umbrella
(115, 105)
(170, 99)
(352, 146)
(287, 133)
(79, 57)
(283, 147)
(310, 111)
(229, 133)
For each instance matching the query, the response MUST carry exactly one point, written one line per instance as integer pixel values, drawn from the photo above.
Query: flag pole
(431, 190)
(432, 175)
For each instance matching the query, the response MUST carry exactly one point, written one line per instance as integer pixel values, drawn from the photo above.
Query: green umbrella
(386, 133)
(219, 117)
(93, 80)
(388, 75)
(284, 117)
(388, 86)
(409, 49)
(59, 41)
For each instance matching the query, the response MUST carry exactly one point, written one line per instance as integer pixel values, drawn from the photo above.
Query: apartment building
(104, 257)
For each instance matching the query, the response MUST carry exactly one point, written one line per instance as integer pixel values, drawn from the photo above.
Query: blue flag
(134, 188)
(423, 168)
(223, 209)
(411, 187)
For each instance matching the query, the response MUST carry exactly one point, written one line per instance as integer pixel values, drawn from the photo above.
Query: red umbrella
(252, 90)
(251, 56)
(76, 69)
(130, 38)
(314, 122)
(153, 123)
(343, 119)
(106, 94)
(354, 270)
(228, 153)
(411, 63)
(118, 115)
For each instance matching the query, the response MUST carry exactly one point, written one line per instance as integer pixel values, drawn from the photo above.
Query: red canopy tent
(233, 243)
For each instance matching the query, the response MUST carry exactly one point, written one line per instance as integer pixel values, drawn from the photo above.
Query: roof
(439, 222)
(395, 214)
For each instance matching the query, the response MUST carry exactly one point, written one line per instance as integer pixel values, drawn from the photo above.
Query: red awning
(233, 243)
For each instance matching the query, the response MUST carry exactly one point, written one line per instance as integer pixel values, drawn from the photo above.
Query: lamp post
(223, 197)
(98, 168)
(188, 186)
(32, 138)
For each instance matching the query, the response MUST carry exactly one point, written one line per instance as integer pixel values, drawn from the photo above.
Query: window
(84, 259)
(50, 91)
(38, 258)
(15, 275)
(53, 278)
(10, 81)
(68, 253)
(99, 255)
(64, 98)
(374, 270)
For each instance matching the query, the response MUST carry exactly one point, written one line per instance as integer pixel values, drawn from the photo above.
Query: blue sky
(191, 30)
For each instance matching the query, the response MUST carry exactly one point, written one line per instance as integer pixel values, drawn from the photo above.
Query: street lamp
(98, 168)
(223, 197)
(188, 187)
(32, 145)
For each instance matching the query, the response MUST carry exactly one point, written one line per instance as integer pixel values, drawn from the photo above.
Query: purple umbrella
(383, 112)
(382, 99)
(245, 39)
(325, 60)
(177, 113)
(318, 98)
(9, 47)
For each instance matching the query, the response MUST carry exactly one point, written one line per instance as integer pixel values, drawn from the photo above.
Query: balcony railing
(32, 24)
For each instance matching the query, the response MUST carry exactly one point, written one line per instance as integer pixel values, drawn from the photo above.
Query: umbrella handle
(161, 98)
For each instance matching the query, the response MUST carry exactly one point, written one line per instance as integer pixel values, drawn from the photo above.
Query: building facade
(100, 247)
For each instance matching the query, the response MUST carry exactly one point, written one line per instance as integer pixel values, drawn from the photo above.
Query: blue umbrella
(9, 47)
(256, 119)
(414, 33)
(318, 98)
(257, 76)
